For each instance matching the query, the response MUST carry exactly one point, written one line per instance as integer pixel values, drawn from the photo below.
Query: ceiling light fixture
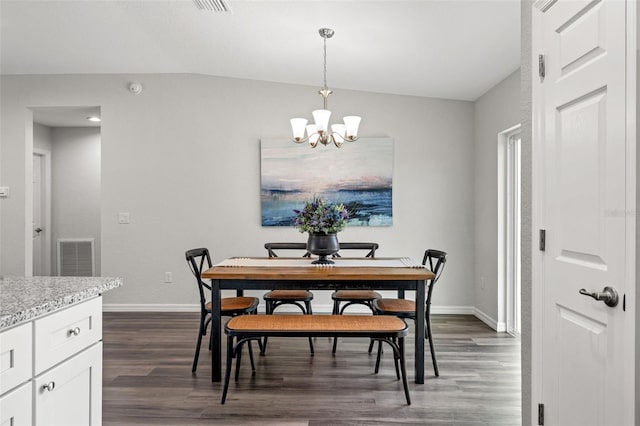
(319, 132)
(94, 119)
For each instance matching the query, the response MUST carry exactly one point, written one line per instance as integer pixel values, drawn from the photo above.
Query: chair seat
(395, 306)
(355, 295)
(236, 303)
(300, 295)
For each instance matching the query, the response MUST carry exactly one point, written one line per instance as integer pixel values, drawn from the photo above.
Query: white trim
(150, 307)
(46, 207)
(319, 309)
(498, 326)
(508, 195)
(537, 217)
(631, 384)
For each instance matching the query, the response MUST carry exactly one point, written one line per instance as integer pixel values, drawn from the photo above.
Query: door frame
(46, 208)
(505, 211)
(631, 365)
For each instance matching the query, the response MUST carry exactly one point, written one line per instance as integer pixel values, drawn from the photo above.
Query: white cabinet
(15, 407)
(64, 333)
(70, 394)
(51, 369)
(15, 357)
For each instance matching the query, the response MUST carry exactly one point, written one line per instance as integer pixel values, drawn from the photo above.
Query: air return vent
(76, 257)
(213, 5)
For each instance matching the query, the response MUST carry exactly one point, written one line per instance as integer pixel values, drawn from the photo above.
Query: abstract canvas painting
(359, 175)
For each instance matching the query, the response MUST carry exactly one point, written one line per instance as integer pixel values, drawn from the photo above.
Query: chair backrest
(198, 259)
(371, 247)
(272, 247)
(435, 261)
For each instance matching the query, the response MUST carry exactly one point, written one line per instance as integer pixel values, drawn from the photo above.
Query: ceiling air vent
(213, 5)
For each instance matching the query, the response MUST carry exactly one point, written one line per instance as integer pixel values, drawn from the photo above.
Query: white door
(38, 222)
(583, 203)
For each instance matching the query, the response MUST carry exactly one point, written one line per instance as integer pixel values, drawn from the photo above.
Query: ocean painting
(359, 175)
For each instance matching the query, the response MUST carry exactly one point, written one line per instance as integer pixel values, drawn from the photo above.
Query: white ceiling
(454, 49)
(66, 116)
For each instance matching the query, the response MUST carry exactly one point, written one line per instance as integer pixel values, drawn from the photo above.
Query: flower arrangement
(320, 216)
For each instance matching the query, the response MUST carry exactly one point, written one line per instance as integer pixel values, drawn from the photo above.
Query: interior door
(583, 205)
(38, 220)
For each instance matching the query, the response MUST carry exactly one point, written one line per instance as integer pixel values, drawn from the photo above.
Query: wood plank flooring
(148, 381)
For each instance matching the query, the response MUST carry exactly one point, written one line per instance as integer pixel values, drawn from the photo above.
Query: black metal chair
(198, 260)
(275, 298)
(354, 297)
(435, 260)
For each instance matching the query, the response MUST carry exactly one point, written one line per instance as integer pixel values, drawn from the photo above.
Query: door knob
(38, 230)
(608, 295)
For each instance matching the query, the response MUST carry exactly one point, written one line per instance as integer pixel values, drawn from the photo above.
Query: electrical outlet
(168, 277)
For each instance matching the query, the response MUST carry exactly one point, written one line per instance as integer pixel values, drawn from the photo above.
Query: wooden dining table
(400, 274)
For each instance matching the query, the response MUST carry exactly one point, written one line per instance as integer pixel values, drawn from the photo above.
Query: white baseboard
(150, 307)
(317, 308)
(500, 327)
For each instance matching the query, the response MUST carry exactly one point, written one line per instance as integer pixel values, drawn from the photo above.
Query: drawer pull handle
(49, 386)
(75, 331)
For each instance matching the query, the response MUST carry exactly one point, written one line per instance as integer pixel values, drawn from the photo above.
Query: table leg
(420, 322)
(216, 334)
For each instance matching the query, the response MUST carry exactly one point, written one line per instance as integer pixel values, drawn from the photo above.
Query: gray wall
(42, 137)
(75, 201)
(494, 112)
(183, 159)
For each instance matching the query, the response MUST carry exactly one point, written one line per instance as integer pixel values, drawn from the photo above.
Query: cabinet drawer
(60, 335)
(15, 407)
(15, 356)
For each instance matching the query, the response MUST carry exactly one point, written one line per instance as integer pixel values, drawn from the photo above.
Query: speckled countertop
(26, 298)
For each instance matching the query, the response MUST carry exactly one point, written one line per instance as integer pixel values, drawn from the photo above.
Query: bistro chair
(435, 260)
(198, 260)
(354, 297)
(275, 298)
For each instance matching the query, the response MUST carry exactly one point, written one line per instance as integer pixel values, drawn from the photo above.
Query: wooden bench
(245, 328)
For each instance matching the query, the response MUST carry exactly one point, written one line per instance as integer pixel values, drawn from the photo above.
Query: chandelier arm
(346, 138)
(301, 140)
(335, 141)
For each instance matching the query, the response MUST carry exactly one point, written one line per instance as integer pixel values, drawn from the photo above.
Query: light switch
(123, 218)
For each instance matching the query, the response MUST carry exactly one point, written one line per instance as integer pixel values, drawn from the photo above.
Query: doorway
(509, 179)
(66, 188)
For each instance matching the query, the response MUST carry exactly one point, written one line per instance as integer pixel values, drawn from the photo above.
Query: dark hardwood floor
(148, 381)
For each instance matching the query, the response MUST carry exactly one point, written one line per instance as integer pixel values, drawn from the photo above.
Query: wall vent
(213, 5)
(76, 257)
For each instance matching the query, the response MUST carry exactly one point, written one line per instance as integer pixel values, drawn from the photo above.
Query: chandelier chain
(325, 63)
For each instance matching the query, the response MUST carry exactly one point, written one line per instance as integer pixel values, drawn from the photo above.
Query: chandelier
(319, 132)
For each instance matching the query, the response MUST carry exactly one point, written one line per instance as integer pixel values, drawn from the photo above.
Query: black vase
(323, 245)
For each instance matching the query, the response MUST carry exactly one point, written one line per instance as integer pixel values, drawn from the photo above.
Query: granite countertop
(26, 298)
